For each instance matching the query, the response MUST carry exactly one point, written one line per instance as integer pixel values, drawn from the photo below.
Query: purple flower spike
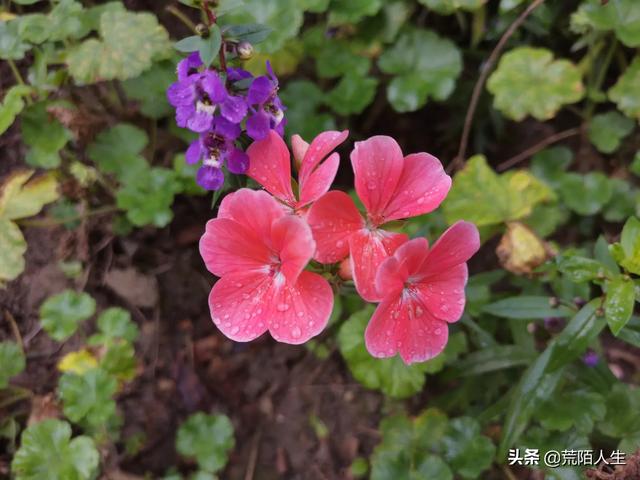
(591, 358)
(268, 111)
(210, 178)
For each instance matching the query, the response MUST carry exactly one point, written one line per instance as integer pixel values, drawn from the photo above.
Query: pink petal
(456, 245)
(300, 311)
(320, 147)
(319, 182)
(269, 165)
(368, 249)
(228, 247)
(299, 148)
(393, 272)
(377, 166)
(237, 305)
(443, 294)
(333, 218)
(403, 325)
(292, 241)
(254, 209)
(422, 187)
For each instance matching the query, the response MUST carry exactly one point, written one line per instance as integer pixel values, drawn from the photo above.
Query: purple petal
(238, 161)
(227, 129)
(214, 87)
(272, 75)
(210, 178)
(199, 122)
(233, 108)
(258, 125)
(280, 127)
(194, 153)
(181, 93)
(183, 114)
(189, 66)
(235, 74)
(260, 91)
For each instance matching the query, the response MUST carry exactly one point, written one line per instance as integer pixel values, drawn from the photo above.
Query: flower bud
(345, 272)
(245, 50)
(202, 30)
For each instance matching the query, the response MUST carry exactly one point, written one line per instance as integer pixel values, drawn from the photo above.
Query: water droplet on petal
(437, 331)
(295, 332)
(282, 307)
(235, 330)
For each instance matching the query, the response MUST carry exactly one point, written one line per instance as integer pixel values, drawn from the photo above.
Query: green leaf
(211, 45)
(447, 7)
(61, 314)
(45, 135)
(585, 194)
(118, 150)
(580, 269)
(351, 11)
(467, 451)
(481, 196)
(47, 452)
(551, 163)
(149, 89)
(621, 16)
(352, 94)
(623, 403)
(88, 398)
(634, 167)
(623, 201)
(148, 197)
(409, 448)
(249, 32)
(424, 64)
(207, 438)
(626, 92)
(529, 82)
(12, 249)
(283, 17)
(34, 28)
(66, 21)
(627, 252)
(578, 409)
(541, 378)
(491, 359)
(12, 105)
(527, 308)
(618, 306)
(119, 360)
(114, 323)
(11, 47)
(186, 176)
(12, 361)
(129, 44)
(189, 44)
(339, 58)
(607, 130)
(303, 98)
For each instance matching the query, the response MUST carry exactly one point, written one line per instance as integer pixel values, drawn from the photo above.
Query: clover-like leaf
(623, 201)
(626, 92)
(481, 196)
(607, 130)
(148, 197)
(11, 46)
(150, 87)
(389, 375)
(352, 94)
(114, 323)
(447, 7)
(47, 452)
(621, 16)
(118, 150)
(618, 307)
(585, 194)
(411, 448)
(578, 409)
(528, 81)
(44, 134)
(467, 451)
(88, 398)
(119, 360)
(12, 361)
(621, 420)
(339, 58)
(424, 64)
(627, 251)
(12, 105)
(61, 314)
(129, 44)
(208, 439)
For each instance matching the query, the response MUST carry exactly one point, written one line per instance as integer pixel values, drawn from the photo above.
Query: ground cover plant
(318, 239)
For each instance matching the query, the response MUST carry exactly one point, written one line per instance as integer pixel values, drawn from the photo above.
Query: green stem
(182, 17)
(599, 79)
(16, 72)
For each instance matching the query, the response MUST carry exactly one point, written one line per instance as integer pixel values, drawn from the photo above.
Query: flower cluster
(216, 107)
(260, 243)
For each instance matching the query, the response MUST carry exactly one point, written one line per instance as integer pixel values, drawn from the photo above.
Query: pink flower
(270, 166)
(422, 290)
(391, 187)
(260, 251)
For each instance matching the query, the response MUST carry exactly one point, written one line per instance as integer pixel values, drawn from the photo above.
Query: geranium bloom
(391, 187)
(421, 290)
(270, 165)
(260, 251)
(267, 112)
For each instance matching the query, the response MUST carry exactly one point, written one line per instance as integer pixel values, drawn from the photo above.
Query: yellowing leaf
(12, 248)
(78, 362)
(520, 250)
(19, 199)
(485, 198)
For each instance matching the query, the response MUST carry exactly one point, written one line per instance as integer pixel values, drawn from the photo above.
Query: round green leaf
(11, 46)
(12, 361)
(352, 94)
(149, 89)
(529, 82)
(607, 130)
(41, 131)
(12, 105)
(447, 7)
(47, 452)
(61, 314)
(467, 451)
(88, 398)
(626, 92)
(351, 11)
(114, 323)
(34, 28)
(621, 16)
(585, 194)
(208, 439)
(117, 150)
(303, 98)
(579, 409)
(12, 248)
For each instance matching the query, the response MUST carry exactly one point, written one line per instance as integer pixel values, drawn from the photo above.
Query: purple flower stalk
(267, 112)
